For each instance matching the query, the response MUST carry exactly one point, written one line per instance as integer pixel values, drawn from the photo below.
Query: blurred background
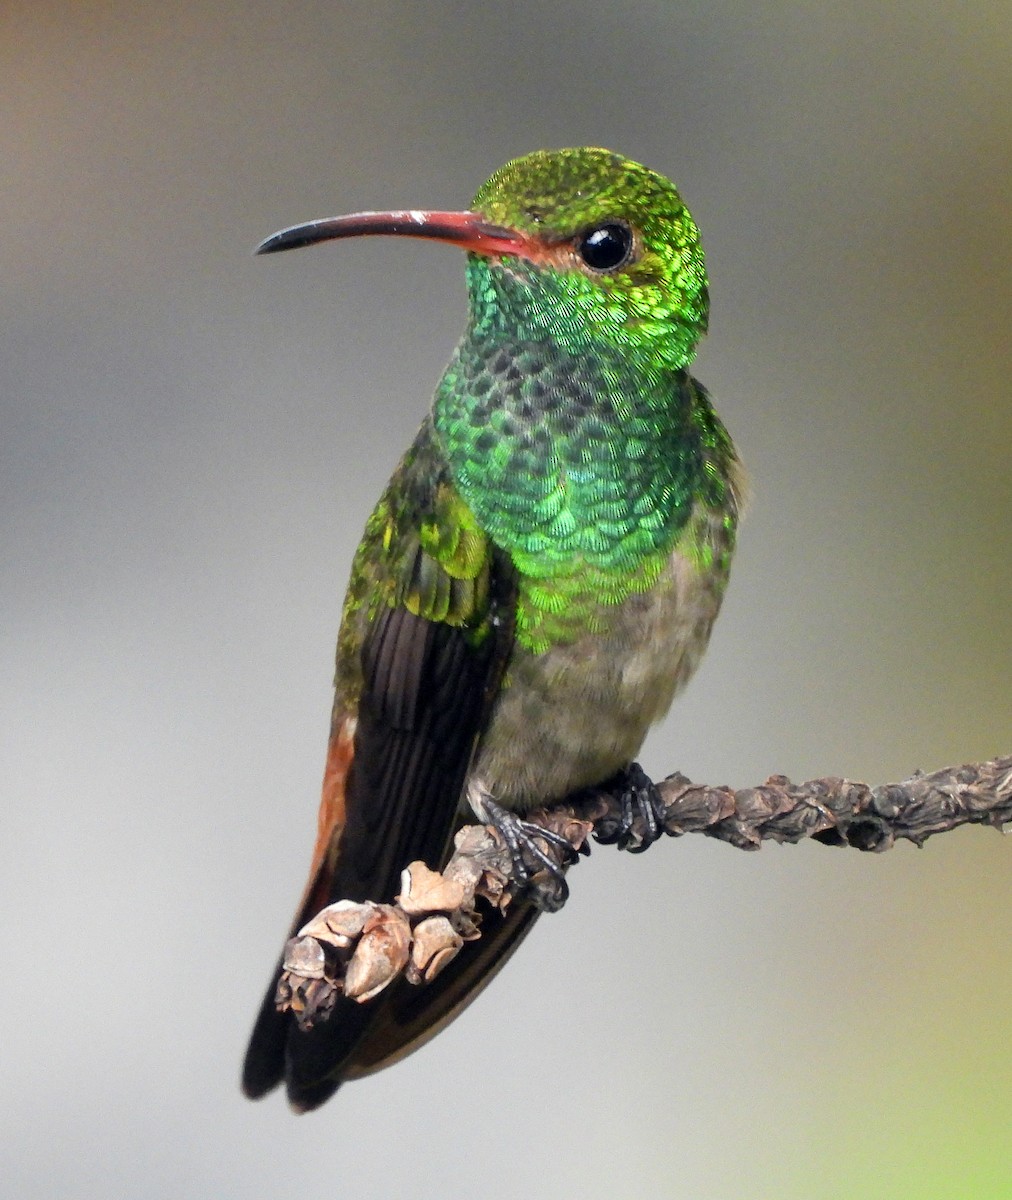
(192, 438)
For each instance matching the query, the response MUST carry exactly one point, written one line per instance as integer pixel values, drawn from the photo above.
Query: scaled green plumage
(566, 434)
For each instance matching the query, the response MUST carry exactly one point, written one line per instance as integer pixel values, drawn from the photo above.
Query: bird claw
(641, 820)
(535, 871)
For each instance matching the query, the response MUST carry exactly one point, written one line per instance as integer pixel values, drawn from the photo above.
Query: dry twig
(359, 949)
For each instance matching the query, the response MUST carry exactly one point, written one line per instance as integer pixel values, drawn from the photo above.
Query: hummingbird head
(609, 252)
(580, 246)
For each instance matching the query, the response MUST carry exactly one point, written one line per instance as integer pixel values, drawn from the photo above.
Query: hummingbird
(537, 581)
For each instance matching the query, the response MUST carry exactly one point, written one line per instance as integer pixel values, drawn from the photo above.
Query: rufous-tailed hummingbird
(537, 581)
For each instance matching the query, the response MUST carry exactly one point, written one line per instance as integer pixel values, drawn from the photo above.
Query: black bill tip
(292, 238)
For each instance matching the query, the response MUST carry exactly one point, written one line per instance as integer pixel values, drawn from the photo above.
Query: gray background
(192, 438)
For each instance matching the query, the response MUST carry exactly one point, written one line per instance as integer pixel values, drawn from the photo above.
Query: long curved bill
(469, 230)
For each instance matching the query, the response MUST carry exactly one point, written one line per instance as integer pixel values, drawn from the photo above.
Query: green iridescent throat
(581, 459)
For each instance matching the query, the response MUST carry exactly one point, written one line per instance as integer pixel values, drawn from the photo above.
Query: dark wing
(426, 632)
(411, 1016)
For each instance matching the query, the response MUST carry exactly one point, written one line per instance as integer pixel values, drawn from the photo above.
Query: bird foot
(539, 873)
(641, 820)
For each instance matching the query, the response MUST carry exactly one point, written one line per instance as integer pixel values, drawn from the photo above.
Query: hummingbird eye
(607, 247)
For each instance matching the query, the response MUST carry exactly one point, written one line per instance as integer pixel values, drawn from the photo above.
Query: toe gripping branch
(538, 873)
(640, 819)
(540, 855)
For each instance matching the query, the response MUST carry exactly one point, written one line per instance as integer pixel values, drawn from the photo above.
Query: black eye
(607, 247)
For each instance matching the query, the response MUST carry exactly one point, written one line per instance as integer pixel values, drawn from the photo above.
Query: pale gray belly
(576, 714)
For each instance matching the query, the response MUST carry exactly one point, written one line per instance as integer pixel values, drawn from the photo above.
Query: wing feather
(426, 632)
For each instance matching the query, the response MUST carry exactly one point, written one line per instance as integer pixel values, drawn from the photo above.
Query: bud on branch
(358, 949)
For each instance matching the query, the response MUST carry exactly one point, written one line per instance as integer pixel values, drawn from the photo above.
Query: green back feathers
(422, 550)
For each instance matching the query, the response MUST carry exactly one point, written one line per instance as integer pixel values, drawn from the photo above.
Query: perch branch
(359, 949)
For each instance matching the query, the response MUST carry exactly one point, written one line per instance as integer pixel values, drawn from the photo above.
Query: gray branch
(359, 949)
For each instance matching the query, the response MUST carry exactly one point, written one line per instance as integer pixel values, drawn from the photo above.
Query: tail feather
(412, 1015)
(383, 1030)
(391, 794)
(402, 1019)
(264, 1065)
